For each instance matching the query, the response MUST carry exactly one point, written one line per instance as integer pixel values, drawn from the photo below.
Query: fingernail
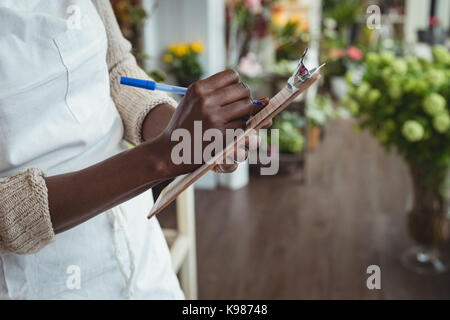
(264, 100)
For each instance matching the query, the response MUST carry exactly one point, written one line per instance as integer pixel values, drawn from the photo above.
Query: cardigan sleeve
(133, 104)
(25, 224)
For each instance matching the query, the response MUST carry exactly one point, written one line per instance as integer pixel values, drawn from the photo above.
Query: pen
(152, 85)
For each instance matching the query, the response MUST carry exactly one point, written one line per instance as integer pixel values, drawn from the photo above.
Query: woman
(73, 196)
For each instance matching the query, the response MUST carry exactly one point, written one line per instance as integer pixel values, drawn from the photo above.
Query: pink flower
(354, 53)
(249, 66)
(434, 21)
(254, 5)
(335, 53)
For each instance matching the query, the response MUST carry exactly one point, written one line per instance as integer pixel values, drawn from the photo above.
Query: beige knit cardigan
(25, 225)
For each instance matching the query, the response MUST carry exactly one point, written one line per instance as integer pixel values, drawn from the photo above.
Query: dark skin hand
(219, 101)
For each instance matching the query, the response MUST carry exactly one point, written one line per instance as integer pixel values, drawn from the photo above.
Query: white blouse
(56, 113)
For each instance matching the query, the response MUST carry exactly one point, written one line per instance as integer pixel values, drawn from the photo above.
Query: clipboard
(298, 83)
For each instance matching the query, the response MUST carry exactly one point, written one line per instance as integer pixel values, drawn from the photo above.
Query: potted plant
(337, 48)
(339, 61)
(291, 36)
(247, 30)
(291, 140)
(182, 60)
(131, 16)
(404, 103)
(318, 112)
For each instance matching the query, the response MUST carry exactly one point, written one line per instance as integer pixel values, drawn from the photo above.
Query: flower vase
(338, 87)
(428, 224)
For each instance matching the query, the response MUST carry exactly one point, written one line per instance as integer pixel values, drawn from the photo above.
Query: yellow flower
(197, 47)
(304, 26)
(279, 19)
(172, 48)
(168, 58)
(181, 50)
(296, 18)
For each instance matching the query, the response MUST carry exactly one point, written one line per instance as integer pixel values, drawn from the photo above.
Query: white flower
(249, 66)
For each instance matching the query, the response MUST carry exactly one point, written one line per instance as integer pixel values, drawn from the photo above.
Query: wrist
(157, 155)
(156, 121)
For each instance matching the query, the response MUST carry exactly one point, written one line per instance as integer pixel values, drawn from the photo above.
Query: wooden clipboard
(278, 103)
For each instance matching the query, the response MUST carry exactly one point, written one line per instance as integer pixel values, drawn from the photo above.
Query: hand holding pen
(152, 85)
(220, 102)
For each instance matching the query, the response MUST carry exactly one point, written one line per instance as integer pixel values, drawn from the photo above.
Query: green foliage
(291, 39)
(403, 102)
(182, 60)
(321, 110)
(344, 12)
(289, 123)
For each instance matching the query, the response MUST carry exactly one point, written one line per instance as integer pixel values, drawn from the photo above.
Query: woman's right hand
(220, 102)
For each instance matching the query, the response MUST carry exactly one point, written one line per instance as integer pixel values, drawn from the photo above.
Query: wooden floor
(277, 239)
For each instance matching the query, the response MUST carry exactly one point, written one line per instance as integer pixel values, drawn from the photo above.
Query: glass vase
(428, 222)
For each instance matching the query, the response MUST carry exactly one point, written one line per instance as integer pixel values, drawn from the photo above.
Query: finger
(252, 141)
(239, 154)
(225, 168)
(231, 93)
(220, 80)
(258, 108)
(264, 100)
(243, 108)
(236, 124)
(267, 124)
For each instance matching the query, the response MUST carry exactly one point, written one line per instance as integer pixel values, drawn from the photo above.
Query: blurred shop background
(364, 155)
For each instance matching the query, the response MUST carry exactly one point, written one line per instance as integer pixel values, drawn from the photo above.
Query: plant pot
(338, 87)
(428, 224)
(313, 138)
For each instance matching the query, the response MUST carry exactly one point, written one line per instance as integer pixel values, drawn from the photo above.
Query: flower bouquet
(182, 60)
(404, 103)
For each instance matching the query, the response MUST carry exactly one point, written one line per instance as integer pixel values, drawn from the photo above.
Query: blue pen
(152, 85)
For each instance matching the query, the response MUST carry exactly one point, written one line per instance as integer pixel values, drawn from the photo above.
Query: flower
(172, 48)
(335, 53)
(372, 58)
(441, 122)
(354, 53)
(279, 19)
(399, 67)
(179, 50)
(254, 5)
(362, 90)
(387, 57)
(435, 77)
(197, 47)
(395, 91)
(374, 95)
(441, 54)
(295, 19)
(350, 104)
(413, 64)
(434, 104)
(433, 21)
(167, 58)
(413, 131)
(304, 26)
(249, 65)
